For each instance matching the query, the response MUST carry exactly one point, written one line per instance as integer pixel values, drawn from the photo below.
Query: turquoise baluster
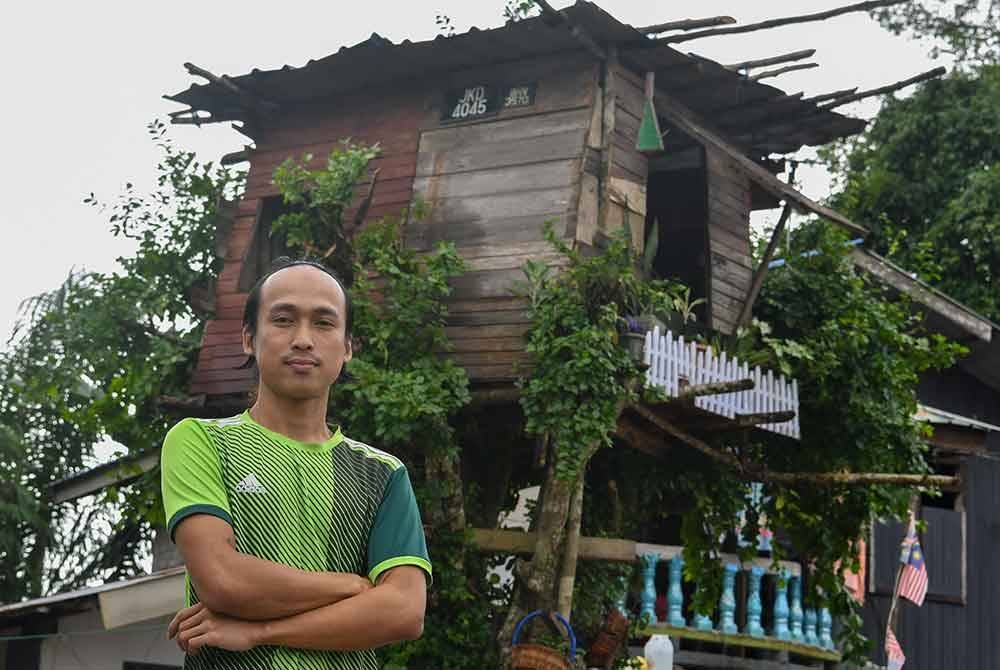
(727, 603)
(753, 626)
(781, 611)
(622, 602)
(825, 629)
(810, 636)
(648, 598)
(675, 596)
(795, 585)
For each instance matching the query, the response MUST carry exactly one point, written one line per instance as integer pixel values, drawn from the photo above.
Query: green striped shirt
(339, 506)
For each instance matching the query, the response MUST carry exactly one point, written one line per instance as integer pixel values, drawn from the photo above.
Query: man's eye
(281, 320)
(326, 324)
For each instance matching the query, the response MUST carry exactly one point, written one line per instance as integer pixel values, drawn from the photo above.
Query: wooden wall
(729, 196)
(490, 184)
(390, 117)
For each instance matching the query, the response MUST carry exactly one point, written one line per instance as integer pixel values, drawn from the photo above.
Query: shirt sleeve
(397, 537)
(191, 476)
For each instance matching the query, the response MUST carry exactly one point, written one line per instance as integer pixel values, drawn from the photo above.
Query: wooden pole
(756, 472)
(578, 33)
(568, 578)
(775, 23)
(782, 70)
(816, 99)
(889, 88)
(227, 84)
(688, 24)
(758, 277)
(773, 60)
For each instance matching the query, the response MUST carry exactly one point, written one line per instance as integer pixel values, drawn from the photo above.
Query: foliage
(89, 360)
(967, 29)
(857, 358)
(517, 10)
(581, 377)
(925, 178)
(21, 520)
(318, 198)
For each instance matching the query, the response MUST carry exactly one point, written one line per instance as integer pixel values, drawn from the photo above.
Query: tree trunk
(536, 578)
(567, 580)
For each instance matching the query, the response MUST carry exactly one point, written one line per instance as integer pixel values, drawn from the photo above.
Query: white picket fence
(675, 364)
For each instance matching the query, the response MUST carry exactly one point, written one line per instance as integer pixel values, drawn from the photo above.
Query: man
(304, 549)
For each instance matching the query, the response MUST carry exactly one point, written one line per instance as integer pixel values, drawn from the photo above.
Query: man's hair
(251, 311)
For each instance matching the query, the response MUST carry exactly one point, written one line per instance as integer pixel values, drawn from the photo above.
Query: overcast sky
(82, 80)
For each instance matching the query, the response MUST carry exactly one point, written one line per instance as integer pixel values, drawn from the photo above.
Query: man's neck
(301, 420)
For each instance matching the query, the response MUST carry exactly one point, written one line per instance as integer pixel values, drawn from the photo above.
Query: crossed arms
(247, 601)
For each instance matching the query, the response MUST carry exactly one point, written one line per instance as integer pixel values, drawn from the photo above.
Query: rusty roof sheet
(737, 104)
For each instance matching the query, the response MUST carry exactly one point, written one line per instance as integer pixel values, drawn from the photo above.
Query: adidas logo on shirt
(250, 485)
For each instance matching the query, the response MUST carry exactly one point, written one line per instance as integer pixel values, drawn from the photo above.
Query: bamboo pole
(768, 74)
(756, 472)
(688, 24)
(773, 60)
(889, 88)
(775, 23)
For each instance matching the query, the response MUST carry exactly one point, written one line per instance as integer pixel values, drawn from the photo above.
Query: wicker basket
(536, 656)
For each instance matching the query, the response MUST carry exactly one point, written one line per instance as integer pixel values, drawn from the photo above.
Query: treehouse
(575, 118)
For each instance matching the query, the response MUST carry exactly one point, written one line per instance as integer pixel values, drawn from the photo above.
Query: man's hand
(197, 626)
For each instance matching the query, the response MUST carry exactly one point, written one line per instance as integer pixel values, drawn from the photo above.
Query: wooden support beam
(773, 60)
(761, 272)
(889, 88)
(764, 418)
(521, 543)
(777, 72)
(816, 99)
(715, 388)
(641, 439)
(687, 24)
(245, 97)
(690, 124)
(757, 472)
(775, 23)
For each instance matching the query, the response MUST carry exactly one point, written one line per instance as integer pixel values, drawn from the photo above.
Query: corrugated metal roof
(737, 103)
(14, 610)
(941, 417)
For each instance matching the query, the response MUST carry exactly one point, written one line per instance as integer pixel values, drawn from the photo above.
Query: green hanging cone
(650, 139)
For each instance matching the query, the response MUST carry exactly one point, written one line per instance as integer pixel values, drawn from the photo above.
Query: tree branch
(788, 20)
(755, 472)
(688, 24)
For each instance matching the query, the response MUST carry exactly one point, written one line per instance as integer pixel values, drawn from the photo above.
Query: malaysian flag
(893, 651)
(913, 579)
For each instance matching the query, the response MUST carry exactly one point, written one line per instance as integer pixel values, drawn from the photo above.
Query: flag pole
(892, 619)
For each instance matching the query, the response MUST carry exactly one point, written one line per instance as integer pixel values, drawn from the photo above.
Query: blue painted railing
(790, 620)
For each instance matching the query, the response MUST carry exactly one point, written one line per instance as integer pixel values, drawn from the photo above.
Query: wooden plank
(487, 344)
(223, 375)
(517, 542)
(488, 357)
(491, 283)
(450, 138)
(501, 230)
(488, 154)
(494, 373)
(514, 261)
(690, 123)
(514, 178)
(505, 331)
(508, 317)
(500, 206)
(221, 387)
(515, 248)
(209, 361)
(488, 305)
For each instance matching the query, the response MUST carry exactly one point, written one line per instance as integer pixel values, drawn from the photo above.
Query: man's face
(300, 344)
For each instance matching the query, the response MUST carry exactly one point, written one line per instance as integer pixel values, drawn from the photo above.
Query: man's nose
(303, 338)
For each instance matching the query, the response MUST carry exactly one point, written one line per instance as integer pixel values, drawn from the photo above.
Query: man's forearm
(256, 589)
(373, 619)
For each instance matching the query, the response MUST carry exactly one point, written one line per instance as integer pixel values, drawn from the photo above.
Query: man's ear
(349, 350)
(247, 342)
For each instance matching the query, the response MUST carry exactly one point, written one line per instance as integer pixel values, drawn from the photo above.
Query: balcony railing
(761, 607)
(675, 364)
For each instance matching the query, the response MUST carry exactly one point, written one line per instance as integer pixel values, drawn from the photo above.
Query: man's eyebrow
(322, 310)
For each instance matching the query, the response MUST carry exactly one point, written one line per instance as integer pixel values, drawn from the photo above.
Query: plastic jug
(659, 653)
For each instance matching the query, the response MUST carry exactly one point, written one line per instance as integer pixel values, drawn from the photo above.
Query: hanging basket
(539, 657)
